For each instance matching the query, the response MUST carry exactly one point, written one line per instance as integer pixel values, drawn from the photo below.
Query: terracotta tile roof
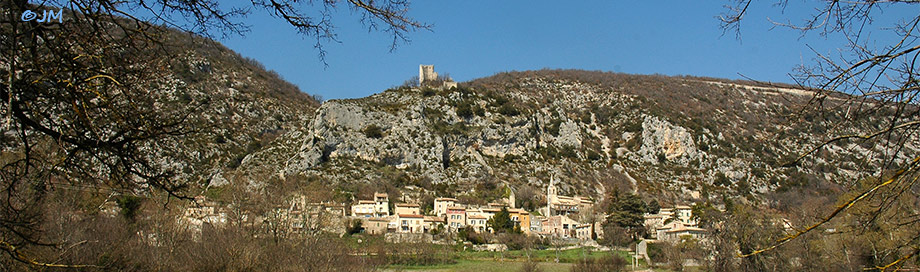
(411, 216)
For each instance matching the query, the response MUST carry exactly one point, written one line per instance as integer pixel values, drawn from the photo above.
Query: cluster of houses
(447, 215)
(450, 215)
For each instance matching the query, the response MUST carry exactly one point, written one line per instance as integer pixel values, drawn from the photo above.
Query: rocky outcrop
(519, 130)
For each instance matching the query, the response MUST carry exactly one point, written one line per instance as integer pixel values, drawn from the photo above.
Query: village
(567, 219)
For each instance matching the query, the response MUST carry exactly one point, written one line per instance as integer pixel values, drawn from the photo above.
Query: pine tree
(501, 222)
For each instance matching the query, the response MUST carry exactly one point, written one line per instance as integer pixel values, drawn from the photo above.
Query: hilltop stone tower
(426, 73)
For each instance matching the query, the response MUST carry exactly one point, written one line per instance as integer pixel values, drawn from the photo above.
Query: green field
(547, 255)
(485, 261)
(483, 266)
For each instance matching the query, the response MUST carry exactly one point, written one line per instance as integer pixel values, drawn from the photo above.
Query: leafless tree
(874, 82)
(83, 100)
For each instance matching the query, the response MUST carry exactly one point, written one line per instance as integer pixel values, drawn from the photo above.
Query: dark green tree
(129, 206)
(501, 222)
(625, 212)
(653, 206)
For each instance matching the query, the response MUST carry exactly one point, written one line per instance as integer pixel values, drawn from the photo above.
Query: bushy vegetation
(625, 222)
(608, 263)
(373, 131)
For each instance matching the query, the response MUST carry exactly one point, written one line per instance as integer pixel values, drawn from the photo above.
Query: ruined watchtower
(426, 73)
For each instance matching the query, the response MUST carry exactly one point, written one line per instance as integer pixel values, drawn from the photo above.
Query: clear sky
(472, 39)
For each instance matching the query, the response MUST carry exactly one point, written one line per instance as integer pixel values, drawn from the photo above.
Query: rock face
(683, 137)
(663, 138)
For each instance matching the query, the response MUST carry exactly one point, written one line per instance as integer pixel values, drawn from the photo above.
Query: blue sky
(472, 39)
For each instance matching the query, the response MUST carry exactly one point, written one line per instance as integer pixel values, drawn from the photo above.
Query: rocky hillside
(678, 138)
(244, 107)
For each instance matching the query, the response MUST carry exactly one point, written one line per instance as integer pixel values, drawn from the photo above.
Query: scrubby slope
(674, 137)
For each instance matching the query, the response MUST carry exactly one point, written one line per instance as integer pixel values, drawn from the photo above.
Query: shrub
(593, 155)
(633, 127)
(373, 131)
(508, 110)
(608, 263)
(553, 127)
(129, 206)
(530, 266)
(354, 228)
(465, 110)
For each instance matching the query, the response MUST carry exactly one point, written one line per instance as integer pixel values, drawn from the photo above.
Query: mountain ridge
(680, 138)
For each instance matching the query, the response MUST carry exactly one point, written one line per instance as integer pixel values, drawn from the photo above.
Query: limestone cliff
(677, 137)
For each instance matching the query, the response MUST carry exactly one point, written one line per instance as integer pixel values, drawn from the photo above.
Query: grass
(546, 255)
(484, 266)
(485, 261)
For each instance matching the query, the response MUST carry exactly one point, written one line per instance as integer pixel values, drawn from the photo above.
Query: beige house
(560, 226)
(564, 205)
(678, 231)
(536, 225)
(364, 208)
(456, 218)
(583, 232)
(682, 213)
(487, 212)
(410, 223)
(203, 212)
(441, 204)
(407, 208)
(432, 222)
(478, 222)
(654, 221)
(378, 207)
(671, 218)
(375, 225)
(381, 204)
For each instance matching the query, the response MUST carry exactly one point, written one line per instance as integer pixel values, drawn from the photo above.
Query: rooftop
(434, 219)
(685, 228)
